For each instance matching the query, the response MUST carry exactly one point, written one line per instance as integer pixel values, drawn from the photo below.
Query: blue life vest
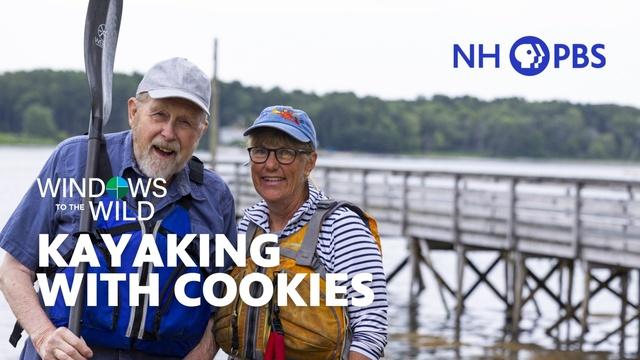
(170, 329)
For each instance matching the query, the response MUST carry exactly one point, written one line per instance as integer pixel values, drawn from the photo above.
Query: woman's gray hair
(273, 138)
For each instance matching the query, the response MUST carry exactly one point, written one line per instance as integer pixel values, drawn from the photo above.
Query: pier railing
(593, 219)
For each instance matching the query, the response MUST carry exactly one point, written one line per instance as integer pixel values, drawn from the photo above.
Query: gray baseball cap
(179, 78)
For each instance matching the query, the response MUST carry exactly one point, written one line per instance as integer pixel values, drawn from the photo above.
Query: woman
(282, 148)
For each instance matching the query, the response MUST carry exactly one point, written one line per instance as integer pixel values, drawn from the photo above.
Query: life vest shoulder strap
(252, 228)
(326, 207)
(105, 172)
(307, 250)
(196, 170)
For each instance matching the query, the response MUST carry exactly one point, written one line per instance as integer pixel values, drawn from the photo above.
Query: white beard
(153, 166)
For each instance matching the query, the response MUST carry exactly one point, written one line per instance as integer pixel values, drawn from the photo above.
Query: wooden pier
(577, 224)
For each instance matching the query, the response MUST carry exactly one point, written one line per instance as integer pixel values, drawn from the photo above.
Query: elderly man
(167, 118)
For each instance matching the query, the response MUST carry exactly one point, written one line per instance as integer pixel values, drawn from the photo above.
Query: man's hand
(62, 344)
(16, 282)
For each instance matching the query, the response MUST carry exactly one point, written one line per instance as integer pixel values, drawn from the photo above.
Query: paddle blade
(100, 39)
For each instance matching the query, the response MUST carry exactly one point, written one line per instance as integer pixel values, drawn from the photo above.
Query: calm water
(423, 331)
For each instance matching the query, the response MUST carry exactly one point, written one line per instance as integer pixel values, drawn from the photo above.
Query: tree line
(55, 104)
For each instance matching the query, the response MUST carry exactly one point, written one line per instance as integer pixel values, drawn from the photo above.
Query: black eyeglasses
(284, 156)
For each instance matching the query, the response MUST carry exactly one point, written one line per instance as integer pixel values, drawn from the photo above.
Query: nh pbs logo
(530, 56)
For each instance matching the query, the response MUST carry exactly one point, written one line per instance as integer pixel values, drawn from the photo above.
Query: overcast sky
(388, 48)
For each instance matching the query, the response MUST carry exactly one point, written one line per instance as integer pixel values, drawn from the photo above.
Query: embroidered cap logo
(287, 115)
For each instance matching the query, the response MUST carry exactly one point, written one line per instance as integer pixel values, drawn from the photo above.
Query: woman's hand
(206, 348)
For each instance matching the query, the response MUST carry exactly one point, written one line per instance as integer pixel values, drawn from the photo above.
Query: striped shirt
(345, 245)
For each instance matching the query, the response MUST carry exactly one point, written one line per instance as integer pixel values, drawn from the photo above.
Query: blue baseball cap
(295, 123)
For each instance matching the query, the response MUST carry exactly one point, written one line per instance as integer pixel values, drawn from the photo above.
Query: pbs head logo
(529, 55)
